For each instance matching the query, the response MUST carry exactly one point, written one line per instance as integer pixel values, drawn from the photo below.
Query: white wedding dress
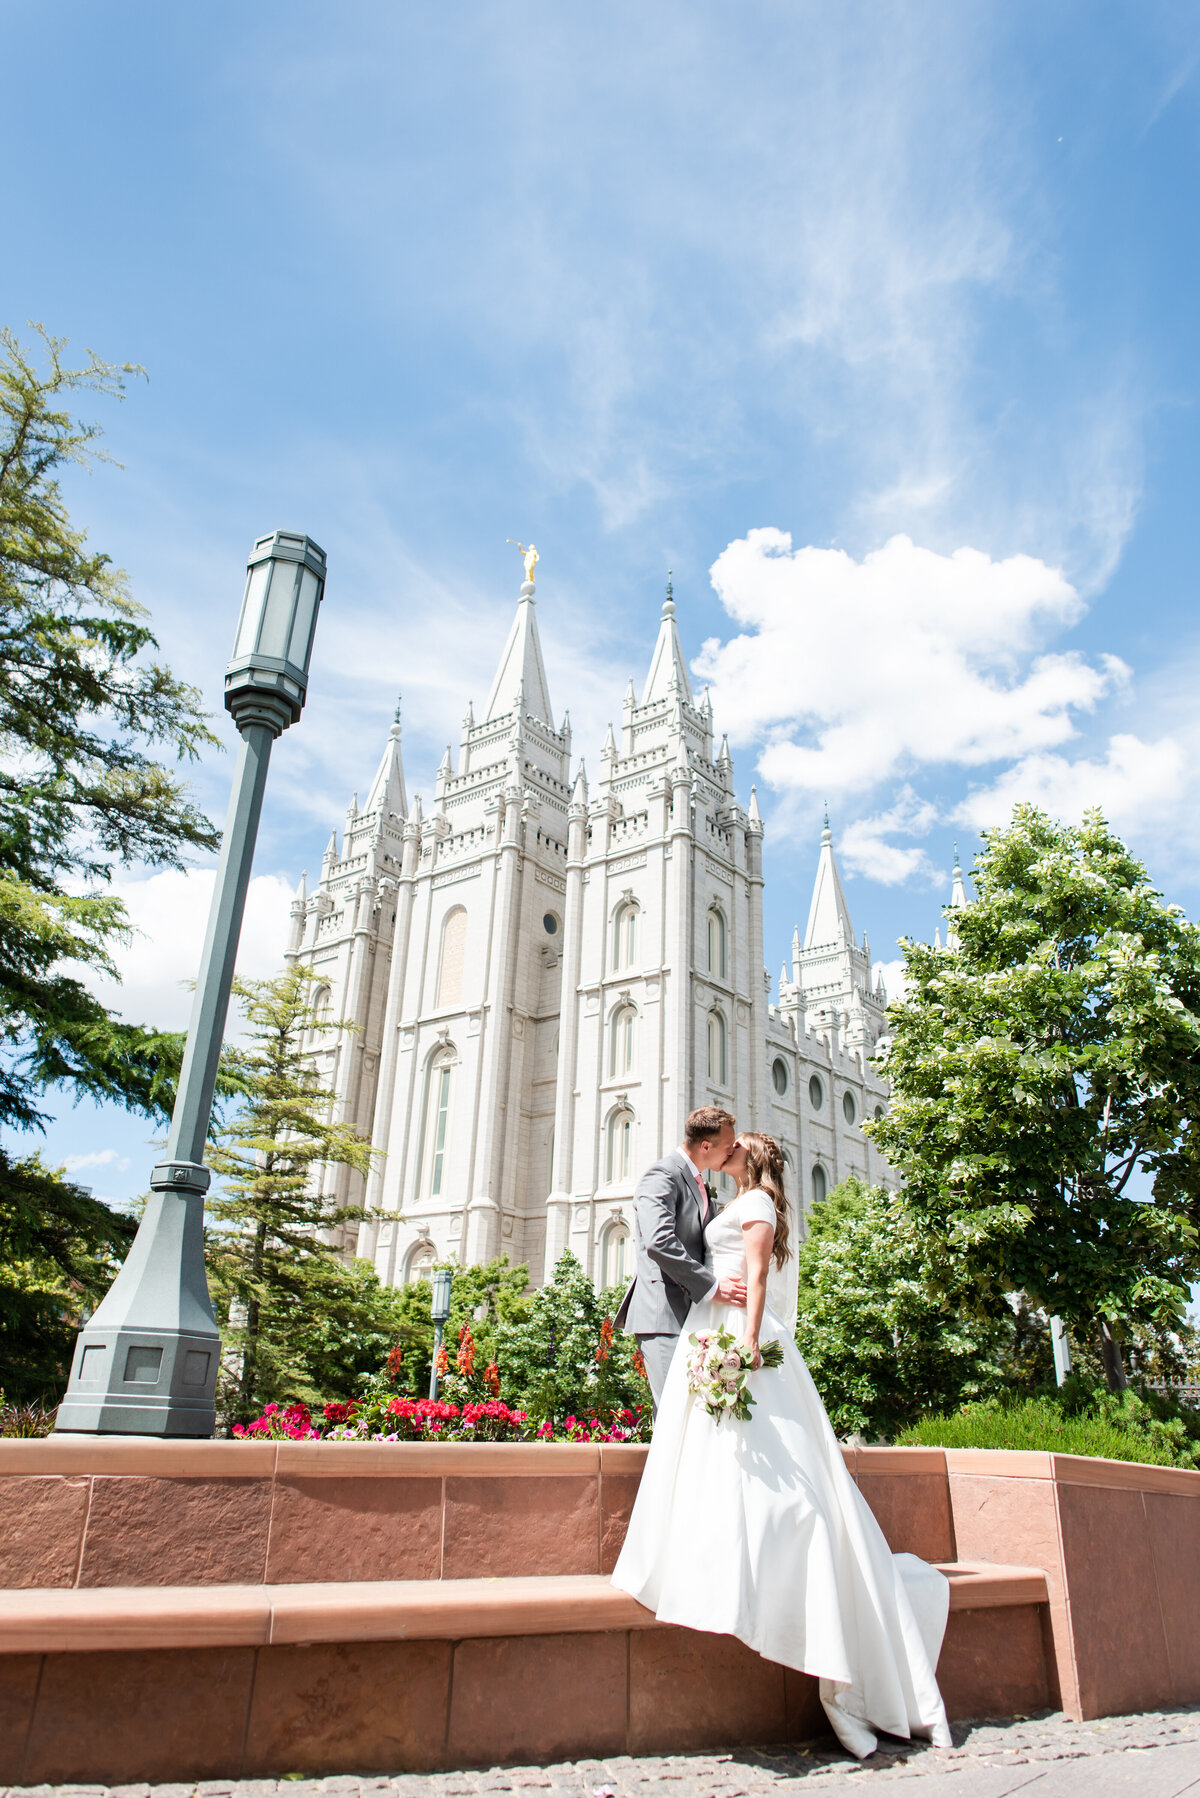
(757, 1530)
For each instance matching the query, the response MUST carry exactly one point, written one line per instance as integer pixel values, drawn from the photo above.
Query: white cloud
(1136, 784)
(169, 914)
(854, 671)
(78, 1164)
(865, 849)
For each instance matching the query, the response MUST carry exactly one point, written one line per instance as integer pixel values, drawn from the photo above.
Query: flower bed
(435, 1420)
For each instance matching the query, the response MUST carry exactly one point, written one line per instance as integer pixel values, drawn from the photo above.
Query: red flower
(394, 1363)
(639, 1365)
(339, 1412)
(466, 1351)
(491, 1378)
(443, 1362)
(606, 1340)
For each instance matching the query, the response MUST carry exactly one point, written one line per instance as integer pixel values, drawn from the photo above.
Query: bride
(756, 1529)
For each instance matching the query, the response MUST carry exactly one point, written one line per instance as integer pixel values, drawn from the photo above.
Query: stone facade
(545, 975)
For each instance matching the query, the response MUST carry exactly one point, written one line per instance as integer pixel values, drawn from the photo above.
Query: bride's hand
(750, 1348)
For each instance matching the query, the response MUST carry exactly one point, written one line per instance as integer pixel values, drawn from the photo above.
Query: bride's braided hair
(764, 1168)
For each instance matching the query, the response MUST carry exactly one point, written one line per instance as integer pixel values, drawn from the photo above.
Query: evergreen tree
(882, 1351)
(294, 1315)
(1036, 1064)
(84, 708)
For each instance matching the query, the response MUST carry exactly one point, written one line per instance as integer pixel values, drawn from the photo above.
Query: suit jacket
(669, 1271)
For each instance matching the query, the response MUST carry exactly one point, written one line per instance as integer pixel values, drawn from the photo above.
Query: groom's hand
(730, 1292)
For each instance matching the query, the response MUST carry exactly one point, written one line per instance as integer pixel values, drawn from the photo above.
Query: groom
(671, 1209)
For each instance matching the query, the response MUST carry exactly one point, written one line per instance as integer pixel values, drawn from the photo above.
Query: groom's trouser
(657, 1352)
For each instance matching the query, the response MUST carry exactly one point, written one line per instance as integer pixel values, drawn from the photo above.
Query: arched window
(816, 1093)
(322, 1010)
(614, 1255)
(620, 1145)
(436, 1139)
(620, 1040)
(849, 1111)
(625, 935)
(450, 960)
(820, 1185)
(718, 943)
(718, 1049)
(878, 1113)
(418, 1263)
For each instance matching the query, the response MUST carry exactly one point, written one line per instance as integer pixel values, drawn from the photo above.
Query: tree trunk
(1110, 1355)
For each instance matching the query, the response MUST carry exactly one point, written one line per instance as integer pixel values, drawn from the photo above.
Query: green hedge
(1119, 1429)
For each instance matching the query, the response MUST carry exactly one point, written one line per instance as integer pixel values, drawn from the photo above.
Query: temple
(548, 971)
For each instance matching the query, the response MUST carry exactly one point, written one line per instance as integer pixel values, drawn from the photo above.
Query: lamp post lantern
(146, 1361)
(441, 1282)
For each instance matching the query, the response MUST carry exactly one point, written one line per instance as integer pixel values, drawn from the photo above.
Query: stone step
(53, 1621)
(145, 1684)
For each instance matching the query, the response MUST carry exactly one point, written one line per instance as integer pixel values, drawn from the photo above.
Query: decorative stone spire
(520, 683)
(754, 816)
(609, 752)
(829, 913)
(387, 795)
(330, 857)
(958, 901)
(668, 671)
(579, 792)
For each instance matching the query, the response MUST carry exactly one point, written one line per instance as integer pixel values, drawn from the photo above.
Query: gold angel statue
(531, 558)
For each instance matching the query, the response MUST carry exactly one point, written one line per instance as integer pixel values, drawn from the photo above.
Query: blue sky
(884, 313)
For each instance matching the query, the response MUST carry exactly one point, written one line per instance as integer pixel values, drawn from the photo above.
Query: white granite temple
(546, 973)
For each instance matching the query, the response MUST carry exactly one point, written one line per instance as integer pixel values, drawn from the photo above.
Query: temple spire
(668, 671)
(520, 682)
(387, 789)
(829, 913)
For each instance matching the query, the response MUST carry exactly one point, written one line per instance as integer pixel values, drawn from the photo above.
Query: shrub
(1117, 1427)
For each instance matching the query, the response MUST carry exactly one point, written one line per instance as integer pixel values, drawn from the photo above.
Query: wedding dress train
(757, 1530)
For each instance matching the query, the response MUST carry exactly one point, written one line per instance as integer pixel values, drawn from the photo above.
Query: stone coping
(41, 1621)
(215, 1460)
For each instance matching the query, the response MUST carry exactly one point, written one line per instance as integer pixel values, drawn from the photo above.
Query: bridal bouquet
(717, 1368)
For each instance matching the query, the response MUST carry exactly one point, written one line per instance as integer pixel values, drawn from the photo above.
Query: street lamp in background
(146, 1361)
(441, 1282)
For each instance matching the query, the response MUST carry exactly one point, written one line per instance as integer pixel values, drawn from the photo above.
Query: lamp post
(441, 1282)
(146, 1361)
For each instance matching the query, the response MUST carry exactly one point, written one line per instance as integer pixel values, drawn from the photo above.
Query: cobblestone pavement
(1154, 1755)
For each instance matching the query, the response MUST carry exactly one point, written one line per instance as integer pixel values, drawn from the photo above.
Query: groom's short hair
(706, 1123)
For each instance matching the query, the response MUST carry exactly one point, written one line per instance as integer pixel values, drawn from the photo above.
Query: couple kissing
(750, 1525)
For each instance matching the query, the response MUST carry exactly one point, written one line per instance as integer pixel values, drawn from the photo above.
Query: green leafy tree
(881, 1350)
(482, 1300)
(1036, 1064)
(59, 1251)
(561, 1360)
(294, 1317)
(87, 716)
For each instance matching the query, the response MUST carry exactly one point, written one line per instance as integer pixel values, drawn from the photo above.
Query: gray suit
(669, 1271)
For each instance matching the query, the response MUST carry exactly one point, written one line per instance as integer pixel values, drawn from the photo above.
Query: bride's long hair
(764, 1168)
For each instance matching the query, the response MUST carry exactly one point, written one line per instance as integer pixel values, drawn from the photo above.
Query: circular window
(878, 1113)
(550, 924)
(816, 1093)
(779, 1075)
(848, 1111)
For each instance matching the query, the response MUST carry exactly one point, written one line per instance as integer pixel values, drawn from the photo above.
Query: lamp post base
(146, 1363)
(141, 1383)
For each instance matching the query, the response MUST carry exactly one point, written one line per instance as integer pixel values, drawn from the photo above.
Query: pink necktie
(703, 1198)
